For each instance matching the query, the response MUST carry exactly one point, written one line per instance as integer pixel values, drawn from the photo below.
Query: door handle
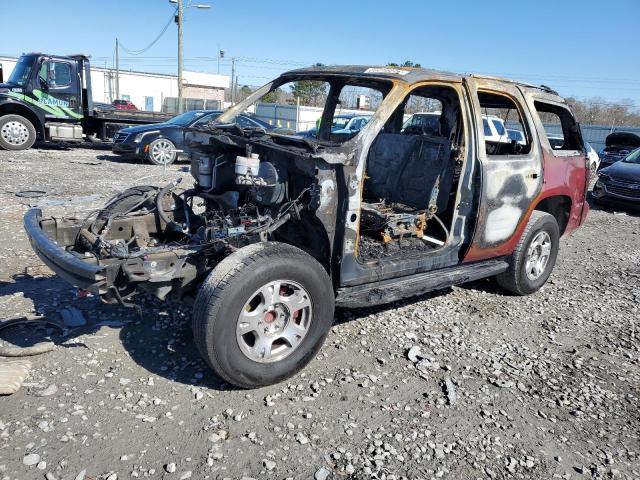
(533, 175)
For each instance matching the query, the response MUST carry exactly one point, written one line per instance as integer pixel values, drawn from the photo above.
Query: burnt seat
(404, 169)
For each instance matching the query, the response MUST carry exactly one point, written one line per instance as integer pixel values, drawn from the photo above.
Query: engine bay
(164, 238)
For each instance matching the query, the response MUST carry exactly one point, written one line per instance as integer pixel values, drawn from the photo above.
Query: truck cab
(279, 228)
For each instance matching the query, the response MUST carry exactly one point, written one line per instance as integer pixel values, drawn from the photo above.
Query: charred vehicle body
(278, 228)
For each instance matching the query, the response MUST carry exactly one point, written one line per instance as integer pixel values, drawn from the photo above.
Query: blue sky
(583, 48)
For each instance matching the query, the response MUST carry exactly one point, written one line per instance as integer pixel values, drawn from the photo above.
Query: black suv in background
(162, 143)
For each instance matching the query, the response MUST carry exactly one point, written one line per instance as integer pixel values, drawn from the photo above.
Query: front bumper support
(78, 271)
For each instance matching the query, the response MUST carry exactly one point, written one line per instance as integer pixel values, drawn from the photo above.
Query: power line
(164, 29)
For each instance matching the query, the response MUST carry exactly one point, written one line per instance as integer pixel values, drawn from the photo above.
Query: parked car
(516, 135)
(594, 158)
(494, 129)
(162, 143)
(617, 146)
(348, 125)
(556, 141)
(619, 183)
(103, 107)
(427, 123)
(343, 124)
(124, 105)
(278, 229)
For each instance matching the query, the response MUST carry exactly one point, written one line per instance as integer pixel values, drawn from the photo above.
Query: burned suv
(279, 228)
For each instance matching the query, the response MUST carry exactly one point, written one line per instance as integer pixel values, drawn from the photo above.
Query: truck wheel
(262, 314)
(162, 152)
(535, 255)
(16, 133)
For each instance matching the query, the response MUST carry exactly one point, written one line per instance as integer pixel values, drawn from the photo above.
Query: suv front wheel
(534, 257)
(262, 314)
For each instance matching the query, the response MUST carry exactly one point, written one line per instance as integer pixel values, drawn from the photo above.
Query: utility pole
(179, 20)
(233, 80)
(117, 70)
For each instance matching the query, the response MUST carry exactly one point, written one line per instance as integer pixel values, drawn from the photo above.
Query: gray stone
(31, 459)
(322, 473)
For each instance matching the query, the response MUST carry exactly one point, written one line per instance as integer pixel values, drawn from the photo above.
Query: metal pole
(117, 70)
(180, 13)
(233, 76)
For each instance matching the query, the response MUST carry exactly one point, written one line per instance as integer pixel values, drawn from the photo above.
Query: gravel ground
(464, 383)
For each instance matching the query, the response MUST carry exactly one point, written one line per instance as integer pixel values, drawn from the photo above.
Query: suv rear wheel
(16, 133)
(534, 257)
(262, 314)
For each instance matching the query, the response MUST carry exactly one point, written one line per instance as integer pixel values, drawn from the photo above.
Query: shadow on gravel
(71, 146)
(344, 315)
(169, 352)
(112, 157)
(615, 208)
(161, 341)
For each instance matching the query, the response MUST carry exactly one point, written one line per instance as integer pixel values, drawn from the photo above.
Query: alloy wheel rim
(162, 151)
(15, 133)
(538, 255)
(274, 321)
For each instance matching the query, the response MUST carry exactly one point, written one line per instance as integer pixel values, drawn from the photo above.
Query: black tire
(228, 287)
(516, 279)
(131, 199)
(154, 159)
(21, 123)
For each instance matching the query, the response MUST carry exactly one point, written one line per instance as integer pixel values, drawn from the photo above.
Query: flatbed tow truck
(49, 98)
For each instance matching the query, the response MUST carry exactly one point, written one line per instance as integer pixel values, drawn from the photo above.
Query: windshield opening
(186, 118)
(299, 106)
(21, 71)
(633, 157)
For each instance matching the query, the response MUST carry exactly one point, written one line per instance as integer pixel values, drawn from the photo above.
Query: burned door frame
(355, 272)
(508, 183)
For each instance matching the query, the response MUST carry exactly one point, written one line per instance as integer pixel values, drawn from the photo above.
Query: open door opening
(413, 168)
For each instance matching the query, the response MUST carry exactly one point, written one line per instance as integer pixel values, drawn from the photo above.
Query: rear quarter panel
(564, 173)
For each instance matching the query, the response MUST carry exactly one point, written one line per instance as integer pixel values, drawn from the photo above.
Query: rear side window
(560, 127)
(503, 113)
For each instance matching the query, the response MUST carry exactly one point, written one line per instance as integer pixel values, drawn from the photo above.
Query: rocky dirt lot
(466, 383)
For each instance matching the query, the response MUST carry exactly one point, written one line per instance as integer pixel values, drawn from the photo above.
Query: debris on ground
(12, 374)
(451, 390)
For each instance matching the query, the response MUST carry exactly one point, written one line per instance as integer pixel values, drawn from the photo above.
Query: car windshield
(300, 103)
(186, 118)
(259, 122)
(633, 157)
(21, 71)
(340, 122)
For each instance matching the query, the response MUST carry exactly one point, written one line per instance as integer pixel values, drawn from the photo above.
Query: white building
(151, 91)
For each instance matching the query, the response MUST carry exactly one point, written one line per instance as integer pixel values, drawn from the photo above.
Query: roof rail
(515, 82)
